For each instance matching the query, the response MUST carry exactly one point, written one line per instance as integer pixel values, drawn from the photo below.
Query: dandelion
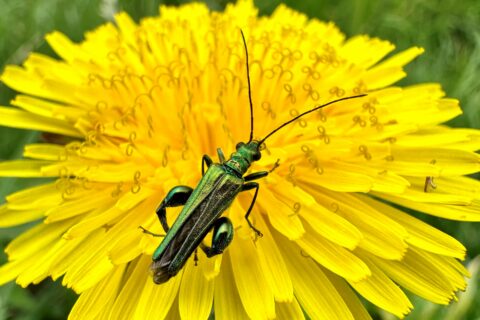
(129, 113)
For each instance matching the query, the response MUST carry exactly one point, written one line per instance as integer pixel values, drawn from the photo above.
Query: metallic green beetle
(203, 206)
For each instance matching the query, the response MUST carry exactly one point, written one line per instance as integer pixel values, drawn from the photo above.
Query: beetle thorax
(241, 159)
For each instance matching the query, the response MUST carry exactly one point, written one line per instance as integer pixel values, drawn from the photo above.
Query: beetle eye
(256, 156)
(239, 145)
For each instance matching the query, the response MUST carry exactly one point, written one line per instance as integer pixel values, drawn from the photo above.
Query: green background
(449, 31)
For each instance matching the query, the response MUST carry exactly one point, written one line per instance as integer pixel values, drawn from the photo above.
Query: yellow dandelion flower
(136, 106)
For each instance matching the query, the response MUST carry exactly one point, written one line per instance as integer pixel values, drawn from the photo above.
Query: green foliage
(448, 30)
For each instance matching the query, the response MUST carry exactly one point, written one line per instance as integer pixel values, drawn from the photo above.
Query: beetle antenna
(249, 91)
(307, 112)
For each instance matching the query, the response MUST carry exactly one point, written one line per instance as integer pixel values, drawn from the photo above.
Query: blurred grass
(449, 31)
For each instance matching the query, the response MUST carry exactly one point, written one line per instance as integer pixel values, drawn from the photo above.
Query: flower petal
(196, 292)
(105, 291)
(313, 290)
(382, 291)
(228, 304)
(255, 293)
(165, 294)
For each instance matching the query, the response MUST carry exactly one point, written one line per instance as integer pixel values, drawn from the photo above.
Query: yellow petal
(448, 161)
(338, 180)
(45, 151)
(253, 289)
(313, 290)
(289, 310)
(356, 307)
(94, 200)
(382, 291)
(421, 234)
(333, 257)
(10, 217)
(35, 239)
(152, 296)
(48, 109)
(273, 264)
(15, 118)
(63, 46)
(105, 291)
(366, 51)
(402, 58)
(380, 78)
(24, 168)
(90, 262)
(280, 215)
(126, 248)
(388, 243)
(455, 212)
(450, 267)
(325, 222)
(10, 270)
(128, 298)
(420, 275)
(196, 292)
(228, 304)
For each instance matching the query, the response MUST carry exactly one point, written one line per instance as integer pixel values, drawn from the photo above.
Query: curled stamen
(389, 158)
(334, 207)
(290, 95)
(296, 208)
(165, 156)
(68, 192)
(311, 93)
(268, 108)
(129, 150)
(99, 128)
(339, 92)
(136, 182)
(291, 175)
(185, 154)
(360, 88)
(429, 180)
(322, 116)
(101, 106)
(323, 134)
(86, 183)
(429, 183)
(364, 150)
(304, 254)
(358, 120)
(151, 129)
(118, 190)
(302, 122)
(306, 149)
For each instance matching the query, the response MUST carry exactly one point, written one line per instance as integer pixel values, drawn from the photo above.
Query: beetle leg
(249, 186)
(206, 160)
(260, 174)
(178, 196)
(150, 232)
(221, 237)
(221, 156)
(195, 257)
(275, 165)
(256, 175)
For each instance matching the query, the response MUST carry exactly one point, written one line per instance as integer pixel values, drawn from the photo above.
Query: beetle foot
(150, 233)
(258, 233)
(275, 166)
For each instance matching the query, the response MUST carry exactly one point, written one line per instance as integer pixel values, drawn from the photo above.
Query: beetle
(204, 205)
